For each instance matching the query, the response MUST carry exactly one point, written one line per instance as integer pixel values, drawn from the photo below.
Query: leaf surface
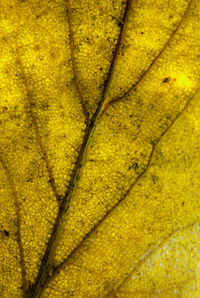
(99, 148)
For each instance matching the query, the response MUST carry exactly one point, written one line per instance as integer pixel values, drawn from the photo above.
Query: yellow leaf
(99, 148)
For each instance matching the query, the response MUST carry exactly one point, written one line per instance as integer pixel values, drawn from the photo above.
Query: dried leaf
(99, 148)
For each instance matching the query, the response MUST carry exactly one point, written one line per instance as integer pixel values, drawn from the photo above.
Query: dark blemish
(168, 117)
(183, 203)
(166, 80)
(88, 40)
(4, 38)
(29, 180)
(59, 198)
(154, 142)
(51, 181)
(142, 33)
(32, 104)
(4, 109)
(45, 106)
(134, 166)
(6, 233)
(119, 24)
(155, 178)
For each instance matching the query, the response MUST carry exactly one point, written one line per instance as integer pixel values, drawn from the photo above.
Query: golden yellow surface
(99, 148)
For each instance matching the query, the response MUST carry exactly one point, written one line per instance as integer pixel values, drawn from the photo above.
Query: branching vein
(114, 100)
(18, 223)
(154, 145)
(71, 42)
(47, 263)
(47, 272)
(35, 125)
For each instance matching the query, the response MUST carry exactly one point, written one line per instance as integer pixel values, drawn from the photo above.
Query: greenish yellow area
(132, 226)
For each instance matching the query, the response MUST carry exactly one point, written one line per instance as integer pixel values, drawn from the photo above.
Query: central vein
(46, 268)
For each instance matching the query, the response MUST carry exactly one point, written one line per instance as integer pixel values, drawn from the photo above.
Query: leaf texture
(99, 148)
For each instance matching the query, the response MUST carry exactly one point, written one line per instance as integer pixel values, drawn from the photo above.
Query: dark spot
(51, 181)
(88, 40)
(166, 80)
(168, 117)
(4, 109)
(45, 106)
(142, 32)
(32, 104)
(183, 203)
(134, 166)
(29, 179)
(59, 198)
(119, 24)
(154, 142)
(6, 233)
(155, 178)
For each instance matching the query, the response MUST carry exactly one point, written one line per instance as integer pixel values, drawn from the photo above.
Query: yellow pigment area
(99, 148)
